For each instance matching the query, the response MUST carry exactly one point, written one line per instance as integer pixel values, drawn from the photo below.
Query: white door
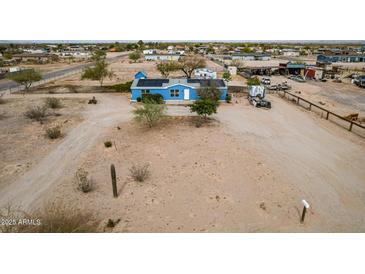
(186, 94)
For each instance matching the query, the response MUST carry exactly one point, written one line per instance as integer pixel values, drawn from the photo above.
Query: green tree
(26, 77)
(189, 63)
(134, 56)
(149, 113)
(140, 44)
(8, 55)
(209, 93)
(253, 81)
(165, 68)
(99, 72)
(227, 76)
(98, 55)
(204, 108)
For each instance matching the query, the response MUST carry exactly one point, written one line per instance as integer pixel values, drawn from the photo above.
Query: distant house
(162, 57)
(75, 54)
(292, 68)
(290, 52)
(149, 51)
(140, 75)
(175, 90)
(35, 57)
(204, 73)
(322, 58)
(251, 56)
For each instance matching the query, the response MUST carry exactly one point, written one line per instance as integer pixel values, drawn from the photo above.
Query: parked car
(265, 81)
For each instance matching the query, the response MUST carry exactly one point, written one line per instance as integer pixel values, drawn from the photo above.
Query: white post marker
(306, 206)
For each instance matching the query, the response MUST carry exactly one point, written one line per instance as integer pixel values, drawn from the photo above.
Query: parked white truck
(256, 95)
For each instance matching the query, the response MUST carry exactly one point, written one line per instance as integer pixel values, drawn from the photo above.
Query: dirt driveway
(312, 158)
(63, 161)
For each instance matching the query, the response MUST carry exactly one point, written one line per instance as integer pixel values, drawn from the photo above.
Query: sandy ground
(342, 98)
(22, 141)
(61, 159)
(245, 172)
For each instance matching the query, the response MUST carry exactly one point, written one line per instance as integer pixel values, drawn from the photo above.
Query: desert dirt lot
(342, 98)
(247, 171)
(23, 141)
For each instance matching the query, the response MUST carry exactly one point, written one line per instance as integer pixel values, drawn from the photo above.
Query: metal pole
(303, 214)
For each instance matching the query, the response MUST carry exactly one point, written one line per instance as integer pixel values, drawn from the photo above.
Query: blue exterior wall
(165, 92)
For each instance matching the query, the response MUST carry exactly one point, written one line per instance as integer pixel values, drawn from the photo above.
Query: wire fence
(341, 121)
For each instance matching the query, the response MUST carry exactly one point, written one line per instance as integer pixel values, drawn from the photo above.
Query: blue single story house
(176, 91)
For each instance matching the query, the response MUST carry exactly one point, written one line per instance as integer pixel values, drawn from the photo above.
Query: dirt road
(63, 161)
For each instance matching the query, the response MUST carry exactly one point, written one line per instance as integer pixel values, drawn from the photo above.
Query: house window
(174, 93)
(145, 91)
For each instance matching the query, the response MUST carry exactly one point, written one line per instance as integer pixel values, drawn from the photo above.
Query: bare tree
(189, 63)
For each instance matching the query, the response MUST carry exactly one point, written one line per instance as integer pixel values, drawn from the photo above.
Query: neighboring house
(292, 68)
(140, 75)
(35, 57)
(75, 54)
(205, 73)
(251, 56)
(175, 90)
(35, 51)
(149, 51)
(162, 57)
(322, 58)
(290, 52)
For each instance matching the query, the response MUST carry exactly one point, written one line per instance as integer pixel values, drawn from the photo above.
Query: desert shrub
(209, 93)
(108, 144)
(124, 87)
(52, 218)
(139, 99)
(228, 98)
(37, 113)
(84, 183)
(253, 81)
(57, 218)
(152, 98)
(204, 108)
(149, 113)
(140, 173)
(52, 102)
(53, 132)
(9, 213)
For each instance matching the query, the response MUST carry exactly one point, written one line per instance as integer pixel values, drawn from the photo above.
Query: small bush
(37, 113)
(204, 108)
(228, 98)
(108, 144)
(53, 218)
(57, 218)
(152, 98)
(139, 99)
(84, 183)
(52, 102)
(53, 132)
(149, 113)
(139, 173)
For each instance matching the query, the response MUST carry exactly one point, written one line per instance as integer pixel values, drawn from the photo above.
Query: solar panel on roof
(207, 82)
(151, 82)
